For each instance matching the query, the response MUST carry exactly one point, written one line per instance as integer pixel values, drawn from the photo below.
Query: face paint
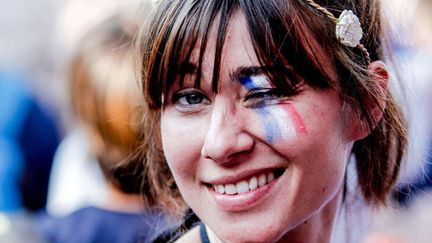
(296, 118)
(279, 121)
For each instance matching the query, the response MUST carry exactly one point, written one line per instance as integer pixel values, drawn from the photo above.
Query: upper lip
(232, 179)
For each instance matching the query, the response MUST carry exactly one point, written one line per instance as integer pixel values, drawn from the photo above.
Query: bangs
(286, 45)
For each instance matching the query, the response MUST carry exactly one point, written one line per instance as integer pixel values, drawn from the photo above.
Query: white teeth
(242, 187)
(221, 189)
(270, 177)
(262, 180)
(253, 183)
(245, 186)
(230, 189)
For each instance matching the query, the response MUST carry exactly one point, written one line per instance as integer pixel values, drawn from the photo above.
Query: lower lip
(243, 201)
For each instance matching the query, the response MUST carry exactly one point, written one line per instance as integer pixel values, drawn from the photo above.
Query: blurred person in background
(28, 139)
(15, 101)
(410, 219)
(29, 131)
(107, 102)
(74, 159)
(413, 48)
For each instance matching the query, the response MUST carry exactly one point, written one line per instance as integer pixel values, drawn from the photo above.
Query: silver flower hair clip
(348, 29)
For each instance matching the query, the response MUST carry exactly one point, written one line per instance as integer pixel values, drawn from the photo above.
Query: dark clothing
(174, 233)
(28, 140)
(39, 139)
(94, 225)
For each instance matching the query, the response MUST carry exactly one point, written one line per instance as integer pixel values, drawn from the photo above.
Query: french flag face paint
(280, 121)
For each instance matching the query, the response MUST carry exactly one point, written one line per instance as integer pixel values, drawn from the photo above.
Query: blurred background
(37, 39)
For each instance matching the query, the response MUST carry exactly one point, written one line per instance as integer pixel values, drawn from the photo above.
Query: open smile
(238, 194)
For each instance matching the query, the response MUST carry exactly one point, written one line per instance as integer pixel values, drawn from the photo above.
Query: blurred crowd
(62, 163)
(70, 120)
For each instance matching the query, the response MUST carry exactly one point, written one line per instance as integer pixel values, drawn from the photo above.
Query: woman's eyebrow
(187, 68)
(243, 72)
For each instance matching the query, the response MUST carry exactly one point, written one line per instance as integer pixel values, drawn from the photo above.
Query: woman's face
(253, 165)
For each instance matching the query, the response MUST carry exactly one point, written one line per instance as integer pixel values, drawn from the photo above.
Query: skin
(210, 137)
(382, 238)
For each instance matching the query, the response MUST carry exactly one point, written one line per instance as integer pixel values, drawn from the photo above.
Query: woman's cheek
(181, 141)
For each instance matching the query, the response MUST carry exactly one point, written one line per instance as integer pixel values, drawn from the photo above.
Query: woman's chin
(249, 234)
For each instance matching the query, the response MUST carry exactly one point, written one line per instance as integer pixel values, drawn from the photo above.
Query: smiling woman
(260, 106)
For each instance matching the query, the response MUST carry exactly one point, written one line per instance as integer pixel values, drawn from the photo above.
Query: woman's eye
(260, 97)
(263, 93)
(189, 100)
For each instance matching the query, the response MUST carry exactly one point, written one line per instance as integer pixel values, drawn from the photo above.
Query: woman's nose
(226, 136)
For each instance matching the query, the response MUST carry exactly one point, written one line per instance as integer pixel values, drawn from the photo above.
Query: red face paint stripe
(296, 118)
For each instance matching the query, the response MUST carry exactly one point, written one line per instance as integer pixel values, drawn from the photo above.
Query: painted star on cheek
(279, 121)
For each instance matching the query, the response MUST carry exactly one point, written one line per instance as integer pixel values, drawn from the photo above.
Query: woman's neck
(317, 228)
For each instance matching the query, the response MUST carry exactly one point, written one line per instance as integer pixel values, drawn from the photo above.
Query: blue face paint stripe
(270, 124)
(268, 129)
(248, 83)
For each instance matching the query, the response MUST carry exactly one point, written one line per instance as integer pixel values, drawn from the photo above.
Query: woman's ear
(361, 126)
(379, 75)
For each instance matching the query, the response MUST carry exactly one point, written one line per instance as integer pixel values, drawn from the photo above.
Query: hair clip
(348, 29)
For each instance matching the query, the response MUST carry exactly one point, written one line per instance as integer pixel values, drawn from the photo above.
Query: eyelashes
(189, 100)
(193, 100)
(258, 98)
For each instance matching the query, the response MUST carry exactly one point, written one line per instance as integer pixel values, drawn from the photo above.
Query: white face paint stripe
(284, 122)
(261, 81)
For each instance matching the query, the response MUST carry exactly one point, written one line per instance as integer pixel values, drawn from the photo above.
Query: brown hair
(285, 31)
(106, 99)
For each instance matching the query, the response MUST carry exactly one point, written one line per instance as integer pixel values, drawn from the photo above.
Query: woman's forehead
(218, 46)
(239, 58)
(237, 45)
